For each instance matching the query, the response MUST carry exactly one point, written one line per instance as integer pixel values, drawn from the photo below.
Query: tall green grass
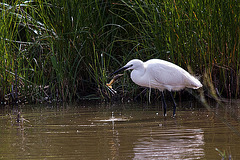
(64, 50)
(203, 35)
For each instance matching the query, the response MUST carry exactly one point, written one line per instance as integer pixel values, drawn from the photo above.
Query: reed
(64, 50)
(202, 35)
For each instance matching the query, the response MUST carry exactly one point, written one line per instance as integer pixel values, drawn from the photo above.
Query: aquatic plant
(223, 154)
(65, 50)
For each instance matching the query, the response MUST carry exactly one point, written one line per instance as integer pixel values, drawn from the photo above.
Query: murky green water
(129, 131)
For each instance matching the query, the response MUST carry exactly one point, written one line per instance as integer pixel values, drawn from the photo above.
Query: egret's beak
(121, 69)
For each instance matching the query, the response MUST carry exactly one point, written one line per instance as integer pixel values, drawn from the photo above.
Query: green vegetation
(223, 154)
(57, 50)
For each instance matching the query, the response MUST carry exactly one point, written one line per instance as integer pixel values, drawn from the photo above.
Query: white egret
(162, 75)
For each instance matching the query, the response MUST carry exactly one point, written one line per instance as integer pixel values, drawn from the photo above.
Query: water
(124, 131)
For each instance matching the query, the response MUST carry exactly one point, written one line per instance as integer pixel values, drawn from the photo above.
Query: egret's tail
(194, 83)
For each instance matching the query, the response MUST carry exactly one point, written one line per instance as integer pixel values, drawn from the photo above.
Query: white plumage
(160, 74)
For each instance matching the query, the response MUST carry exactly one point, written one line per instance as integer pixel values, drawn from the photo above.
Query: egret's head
(133, 64)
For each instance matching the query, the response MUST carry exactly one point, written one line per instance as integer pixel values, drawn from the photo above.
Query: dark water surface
(126, 131)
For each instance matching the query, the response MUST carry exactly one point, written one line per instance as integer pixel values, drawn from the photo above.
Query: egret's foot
(174, 115)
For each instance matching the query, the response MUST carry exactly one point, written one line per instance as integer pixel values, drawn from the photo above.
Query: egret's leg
(164, 105)
(175, 105)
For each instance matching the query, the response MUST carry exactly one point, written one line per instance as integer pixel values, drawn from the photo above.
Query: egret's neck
(137, 74)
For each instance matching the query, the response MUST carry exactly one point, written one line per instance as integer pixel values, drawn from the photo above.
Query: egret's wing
(166, 75)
